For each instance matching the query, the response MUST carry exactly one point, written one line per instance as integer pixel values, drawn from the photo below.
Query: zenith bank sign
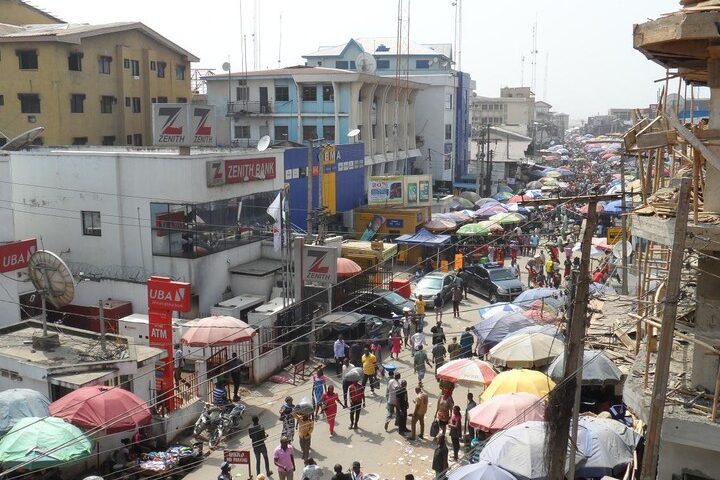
(165, 294)
(183, 125)
(224, 172)
(15, 255)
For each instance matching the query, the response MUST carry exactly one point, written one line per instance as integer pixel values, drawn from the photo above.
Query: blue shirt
(219, 396)
(339, 349)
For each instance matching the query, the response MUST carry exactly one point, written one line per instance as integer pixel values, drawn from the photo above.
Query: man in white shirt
(417, 339)
(339, 352)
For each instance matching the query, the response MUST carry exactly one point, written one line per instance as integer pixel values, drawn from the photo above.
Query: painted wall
(9, 309)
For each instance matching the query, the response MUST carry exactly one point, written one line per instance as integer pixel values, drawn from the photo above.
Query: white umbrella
(526, 351)
(480, 471)
(607, 445)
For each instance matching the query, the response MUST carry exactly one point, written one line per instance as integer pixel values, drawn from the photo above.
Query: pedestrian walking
(287, 419)
(438, 333)
(311, 471)
(455, 427)
(357, 401)
(391, 398)
(369, 366)
(257, 438)
(395, 345)
(444, 408)
(419, 361)
(305, 427)
(225, 472)
(339, 351)
(515, 269)
(453, 349)
(438, 355)
(417, 341)
(457, 296)
(356, 351)
(420, 310)
(534, 242)
(178, 363)
(438, 303)
(318, 388)
(407, 323)
(469, 431)
(234, 370)
(329, 401)
(355, 472)
(376, 349)
(339, 474)
(464, 277)
(418, 416)
(346, 383)
(440, 458)
(466, 343)
(402, 408)
(284, 459)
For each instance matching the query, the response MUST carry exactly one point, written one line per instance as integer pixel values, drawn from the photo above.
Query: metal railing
(249, 107)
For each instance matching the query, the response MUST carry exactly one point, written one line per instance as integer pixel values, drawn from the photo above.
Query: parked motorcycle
(210, 420)
(232, 416)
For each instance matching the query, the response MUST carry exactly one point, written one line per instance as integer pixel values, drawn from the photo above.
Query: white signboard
(183, 125)
(319, 265)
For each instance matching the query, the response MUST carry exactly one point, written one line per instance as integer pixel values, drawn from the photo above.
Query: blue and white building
(442, 108)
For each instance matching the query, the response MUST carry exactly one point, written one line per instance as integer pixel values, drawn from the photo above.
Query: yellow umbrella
(521, 380)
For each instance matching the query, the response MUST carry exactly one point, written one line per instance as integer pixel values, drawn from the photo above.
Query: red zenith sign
(15, 255)
(164, 294)
(249, 169)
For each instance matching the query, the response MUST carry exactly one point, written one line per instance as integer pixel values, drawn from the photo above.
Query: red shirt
(357, 394)
(598, 277)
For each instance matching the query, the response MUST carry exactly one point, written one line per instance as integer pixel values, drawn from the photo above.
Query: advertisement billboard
(15, 255)
(183, 125)
(319, 264)
(243, 170)
(165, 294)
(424, 191)
(386, 191)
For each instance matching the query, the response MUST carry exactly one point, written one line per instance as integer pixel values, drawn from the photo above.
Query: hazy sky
(591, 63)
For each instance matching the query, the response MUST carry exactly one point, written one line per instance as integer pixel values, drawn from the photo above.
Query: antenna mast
(522, 70)
(280, 40)
(545, 77)
(533, 59)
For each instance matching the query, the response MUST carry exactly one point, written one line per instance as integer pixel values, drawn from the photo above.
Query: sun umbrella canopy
(490, 310)
(43, 443)
(519, 380)
(347, 267)
(517, 208)
(553, 174)
(606, 444)
(521, 451)
(217, 330)
(505, 411)
(613, 208)
(598, 369)
(549, 330)
(461, 202)
(502, 196)
(108, 408)
(534, 184)
(490, 209)
(484, 201)
(353, 375)
(519, 198)
(504, 188)
(474, 229)
(440, 225)
(507, 218)
(525, 351)
(472, 196)
(481, 471)
(548, 181)
(492, 330)
(18, 403)
(467, 372)
(541, 316)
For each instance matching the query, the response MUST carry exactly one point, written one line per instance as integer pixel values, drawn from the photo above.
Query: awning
(257, 268)
(423, 237)
(77, 380)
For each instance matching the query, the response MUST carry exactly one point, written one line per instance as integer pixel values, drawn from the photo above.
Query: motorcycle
(210, 420)
(231, 417)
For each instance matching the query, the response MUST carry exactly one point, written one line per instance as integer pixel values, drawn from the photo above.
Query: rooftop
(384, 46)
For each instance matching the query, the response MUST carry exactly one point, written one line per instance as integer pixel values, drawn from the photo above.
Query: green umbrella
(509, 217)
(553, 174)
(463, 202)
(43, 443)
(473, 229)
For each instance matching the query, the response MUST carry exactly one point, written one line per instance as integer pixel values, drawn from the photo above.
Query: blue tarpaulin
(423, 237)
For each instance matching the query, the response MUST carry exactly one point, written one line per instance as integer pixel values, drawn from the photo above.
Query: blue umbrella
(607, 446)
(549, 295)
(613, 208)
(502, 196)
(19, 403)
(487, 312)
(504, 188)
(496, 327)
(481, 471)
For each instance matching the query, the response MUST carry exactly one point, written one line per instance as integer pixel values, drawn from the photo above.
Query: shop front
(373, 222)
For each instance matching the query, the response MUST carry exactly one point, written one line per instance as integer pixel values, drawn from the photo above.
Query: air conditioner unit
(136, 77)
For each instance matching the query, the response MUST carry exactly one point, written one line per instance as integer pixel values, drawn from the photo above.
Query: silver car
(432, 284)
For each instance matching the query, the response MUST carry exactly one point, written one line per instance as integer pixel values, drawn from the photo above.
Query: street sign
(238, 457)
(614, 235)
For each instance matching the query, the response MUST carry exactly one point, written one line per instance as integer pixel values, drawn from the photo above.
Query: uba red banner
(164, 294)
(15, 255)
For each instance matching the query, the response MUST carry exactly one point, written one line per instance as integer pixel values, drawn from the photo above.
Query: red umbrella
(347, 268)
(540, 316)
(505, 411)
(217, 330)
(519, 198)
(109, 408)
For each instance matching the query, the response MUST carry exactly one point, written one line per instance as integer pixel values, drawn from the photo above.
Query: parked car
(432, 284)
(496, 283)
(352, 326)
(380, 302)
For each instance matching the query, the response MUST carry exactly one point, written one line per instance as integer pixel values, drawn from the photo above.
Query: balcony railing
(249, 108)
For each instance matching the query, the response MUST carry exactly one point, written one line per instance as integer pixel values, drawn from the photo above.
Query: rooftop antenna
(23, 139)
(55, 284)
(545, 76)
(279, 39)
(533, 58)
(522, 70)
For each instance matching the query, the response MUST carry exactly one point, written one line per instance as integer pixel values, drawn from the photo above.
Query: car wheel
(493, 298)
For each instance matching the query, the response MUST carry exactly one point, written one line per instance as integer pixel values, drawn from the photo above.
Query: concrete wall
(691, 447)
(430, 124)
(707, 322)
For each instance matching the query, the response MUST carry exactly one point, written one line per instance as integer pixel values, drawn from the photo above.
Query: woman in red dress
(329, 401)
(395, 345)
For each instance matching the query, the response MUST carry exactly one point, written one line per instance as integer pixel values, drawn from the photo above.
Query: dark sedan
(380, 302)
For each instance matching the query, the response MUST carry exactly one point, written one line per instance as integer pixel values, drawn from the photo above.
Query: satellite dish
(365, 63)
(353, 133)
(53, 281)
(263, 143)
(23, 139)
(444, 63)
(225, 66)
(617, 249)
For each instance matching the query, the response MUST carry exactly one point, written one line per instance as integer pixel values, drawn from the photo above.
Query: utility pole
(488, 162)
(623, 219)
(662, 365)
(572, 379)
(101, 317)
(478, 163)
(309, 228)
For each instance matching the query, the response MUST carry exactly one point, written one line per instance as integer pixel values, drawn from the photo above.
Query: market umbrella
(517, 208)
(440, 225)
(502, 196)
(490, 310)
(525, 351)
(613, 208)
(519, 380)
(519, 198)
(111, 409)
(598, 369)
(217, 330)
(541, 316)
(353, 375)
(490, 209)
(548, 181)
(549, 330)
(521, 451)
(347, 267)
(467, 372)
(492, 330)
(43, 443)
(534, 184)
(506, 218)
(594, 251)
(607, 446)
(469, 195)
(474, 229)
(460, 202)
(18, 403)
(480, 471)
(484, 201)
(504, 188)
(505, 411)
(459, 216)
(553, 174)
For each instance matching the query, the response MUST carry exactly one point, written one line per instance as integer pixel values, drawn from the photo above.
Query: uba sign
(164, 294)
(15, 255)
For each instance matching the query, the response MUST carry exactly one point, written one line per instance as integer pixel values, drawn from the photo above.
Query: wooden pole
(696, 184)
(662, 366)
(623, 218)
(716, 396)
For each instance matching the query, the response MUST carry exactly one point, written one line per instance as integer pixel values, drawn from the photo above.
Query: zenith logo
(317, 267)
(203, 129)
(172, 114)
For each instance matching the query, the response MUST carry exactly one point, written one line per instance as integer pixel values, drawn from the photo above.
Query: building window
(2, 100)
(329, 133)
(136, 104)
(152, 65)
(128, 101)
(28, 59)
(383, 64)
(448, 132)
(104, 65)
(161, 69)
(108, 140)
(242, 131)
(281, 132)
(161, 99)
(422, 64)
(328, 93)
(343, 64)
(75, 62)
(309, 132)
(128, 140)
(181, 100)
(242, 94)
(448, 101)
(106, 103)
(91, 223)
(180, 72)
(80, 140)
(309, 93)
(352, 64)
(137, 139)
(29, 102)
(282, 94)
(134, 67)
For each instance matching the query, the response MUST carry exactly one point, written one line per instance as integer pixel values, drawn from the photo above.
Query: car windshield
(393, 298)
(501, 274)
(431, 283)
